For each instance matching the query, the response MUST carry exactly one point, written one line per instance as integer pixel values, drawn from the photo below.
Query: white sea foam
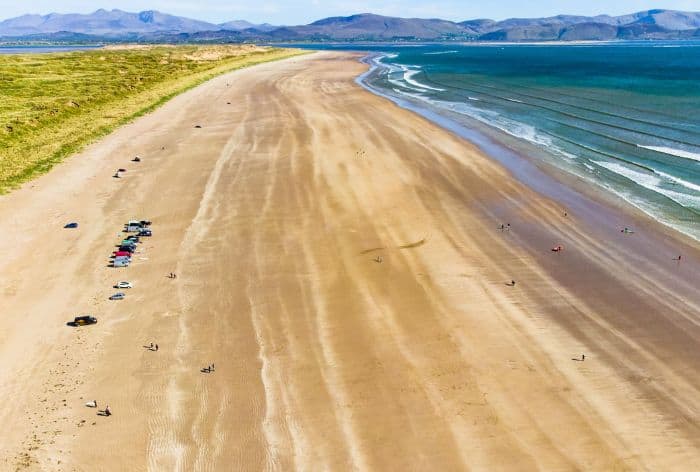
(408, 77)
(439, 53)
(492, 118)
(513, 100)
(673, 152)
(652, 181)
(417, 96)
(679, 181)
(474, 99)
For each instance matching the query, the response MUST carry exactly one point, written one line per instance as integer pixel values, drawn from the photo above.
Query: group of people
(105, 412)
(209, 368)
(153, 347)
(172, 275)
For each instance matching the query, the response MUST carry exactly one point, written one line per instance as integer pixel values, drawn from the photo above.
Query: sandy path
(274, 215)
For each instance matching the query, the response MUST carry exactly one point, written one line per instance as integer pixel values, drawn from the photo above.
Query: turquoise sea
(624, 117)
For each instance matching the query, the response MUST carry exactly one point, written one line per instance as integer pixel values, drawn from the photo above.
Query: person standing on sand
(583, 357)
(108, 412)
(156, 348)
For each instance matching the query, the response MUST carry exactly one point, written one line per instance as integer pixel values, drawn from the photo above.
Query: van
(134, 226)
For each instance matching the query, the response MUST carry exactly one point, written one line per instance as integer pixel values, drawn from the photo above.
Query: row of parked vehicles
(121, 258)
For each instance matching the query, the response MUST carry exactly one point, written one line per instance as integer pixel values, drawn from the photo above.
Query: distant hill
(113, 24)
(154, 26)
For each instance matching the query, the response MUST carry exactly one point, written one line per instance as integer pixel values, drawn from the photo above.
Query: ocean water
(624, 117)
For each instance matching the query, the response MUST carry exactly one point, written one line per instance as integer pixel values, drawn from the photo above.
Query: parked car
(129, 249)
(124, 285)
(121, 262)
(145, 223)
(71, 225)
(133, 226)
(145, 232)
(118, 296)
(122, 254)
(133, 238)
(83, 320)
(128, 242)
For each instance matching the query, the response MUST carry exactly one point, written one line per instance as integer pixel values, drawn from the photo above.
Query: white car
(124, 285)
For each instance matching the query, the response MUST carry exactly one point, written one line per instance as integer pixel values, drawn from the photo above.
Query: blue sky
(305, 11)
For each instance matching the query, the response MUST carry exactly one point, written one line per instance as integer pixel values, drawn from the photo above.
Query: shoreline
(339, 259)
(544, 177)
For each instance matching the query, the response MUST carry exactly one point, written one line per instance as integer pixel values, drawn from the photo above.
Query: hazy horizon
(305, 11)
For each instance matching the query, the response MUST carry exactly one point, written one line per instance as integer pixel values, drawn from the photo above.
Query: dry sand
(274, 216)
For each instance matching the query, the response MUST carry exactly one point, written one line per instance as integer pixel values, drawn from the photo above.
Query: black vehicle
(145, 223)
(129, 249)
(71, 225)
(145, 232)
(83, 320)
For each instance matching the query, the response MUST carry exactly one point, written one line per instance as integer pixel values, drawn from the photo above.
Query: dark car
(145, 232)
(71, 225)
(83, 320)
(129, 249)
(145, 223)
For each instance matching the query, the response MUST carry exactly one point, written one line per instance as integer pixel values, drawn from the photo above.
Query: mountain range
(154, 26)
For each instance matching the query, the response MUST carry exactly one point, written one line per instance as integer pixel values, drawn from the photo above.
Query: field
(54, 104)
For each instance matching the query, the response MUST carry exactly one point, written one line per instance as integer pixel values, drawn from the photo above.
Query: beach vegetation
(53, 105)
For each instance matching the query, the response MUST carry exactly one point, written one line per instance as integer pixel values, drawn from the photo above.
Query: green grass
(53, 105)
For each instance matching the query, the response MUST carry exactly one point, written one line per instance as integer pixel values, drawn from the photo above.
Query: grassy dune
(54, 104)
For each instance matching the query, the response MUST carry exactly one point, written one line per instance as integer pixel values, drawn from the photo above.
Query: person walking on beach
(156, 348)
(151, 348)
(583, 357)
(512, 282)
(108, 412)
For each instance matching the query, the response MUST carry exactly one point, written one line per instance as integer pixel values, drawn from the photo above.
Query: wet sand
(340, 260)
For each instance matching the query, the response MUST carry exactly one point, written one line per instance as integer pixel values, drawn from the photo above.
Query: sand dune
(340, 261)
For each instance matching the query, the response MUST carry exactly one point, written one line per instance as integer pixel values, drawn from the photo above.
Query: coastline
(339, 258)
(517, 155)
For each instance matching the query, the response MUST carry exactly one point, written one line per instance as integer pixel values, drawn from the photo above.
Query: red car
(121, 253)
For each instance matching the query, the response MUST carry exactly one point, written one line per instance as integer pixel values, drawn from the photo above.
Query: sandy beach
(341, 262)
